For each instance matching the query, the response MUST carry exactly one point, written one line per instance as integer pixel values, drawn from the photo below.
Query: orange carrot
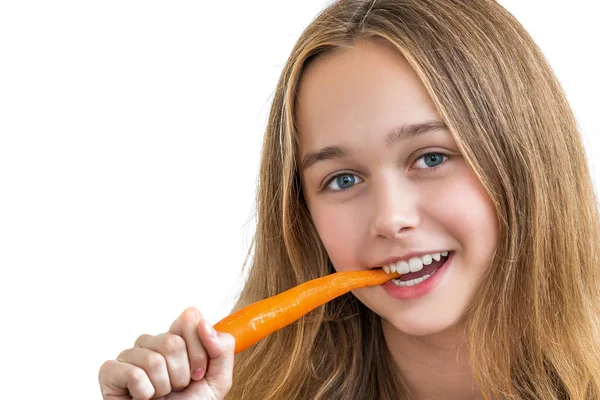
(260, 319)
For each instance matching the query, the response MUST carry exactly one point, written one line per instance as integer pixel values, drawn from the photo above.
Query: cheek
(469, 216)
(340, 230)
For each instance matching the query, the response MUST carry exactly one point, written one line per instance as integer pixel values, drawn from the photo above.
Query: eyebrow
(393, 137)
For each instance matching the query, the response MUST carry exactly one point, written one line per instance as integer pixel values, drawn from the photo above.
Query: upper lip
(405, 257)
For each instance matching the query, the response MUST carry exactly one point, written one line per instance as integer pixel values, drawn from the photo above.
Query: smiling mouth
(417, 269)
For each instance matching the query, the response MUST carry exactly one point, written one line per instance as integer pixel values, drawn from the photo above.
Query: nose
(395, 211)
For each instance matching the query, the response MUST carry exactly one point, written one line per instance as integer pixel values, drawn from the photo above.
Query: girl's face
(385, 182)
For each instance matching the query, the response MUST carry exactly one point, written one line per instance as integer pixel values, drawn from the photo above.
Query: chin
(422, 325)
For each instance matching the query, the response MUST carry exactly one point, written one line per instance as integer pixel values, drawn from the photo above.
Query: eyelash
(445, 158)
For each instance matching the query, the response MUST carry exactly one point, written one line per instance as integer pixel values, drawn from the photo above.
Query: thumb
(220, 348)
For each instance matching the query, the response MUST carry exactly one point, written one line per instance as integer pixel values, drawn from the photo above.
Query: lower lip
(420, 289)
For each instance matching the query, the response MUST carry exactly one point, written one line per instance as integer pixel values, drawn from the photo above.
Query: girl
(427, 136)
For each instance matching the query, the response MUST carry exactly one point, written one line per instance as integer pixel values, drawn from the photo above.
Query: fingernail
(211, 331)
(198, 374)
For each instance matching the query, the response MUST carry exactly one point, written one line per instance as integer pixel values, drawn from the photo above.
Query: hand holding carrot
(194, 361)
(190, 361)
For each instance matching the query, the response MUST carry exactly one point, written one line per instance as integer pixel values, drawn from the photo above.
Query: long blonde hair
(532, 329)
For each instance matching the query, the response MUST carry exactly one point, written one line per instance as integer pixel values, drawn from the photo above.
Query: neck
(433, 366)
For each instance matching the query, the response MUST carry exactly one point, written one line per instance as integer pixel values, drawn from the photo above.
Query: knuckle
(123, 355)
(142, 338)
(191, 315)
(104, 369)
(173, 344)
(154, 361)
(135, 376)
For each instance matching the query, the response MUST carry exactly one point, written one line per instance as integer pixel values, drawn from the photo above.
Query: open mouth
(417, 269)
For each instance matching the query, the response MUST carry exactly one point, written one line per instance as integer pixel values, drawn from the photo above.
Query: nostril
(393, 224)
(390, 230)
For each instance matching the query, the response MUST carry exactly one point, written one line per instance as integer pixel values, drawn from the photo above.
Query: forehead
(356, 92)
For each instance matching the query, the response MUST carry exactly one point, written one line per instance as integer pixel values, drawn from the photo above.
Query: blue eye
(431, 160)
(342, 182)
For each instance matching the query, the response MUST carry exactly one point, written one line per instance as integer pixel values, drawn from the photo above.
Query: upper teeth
(414, 264)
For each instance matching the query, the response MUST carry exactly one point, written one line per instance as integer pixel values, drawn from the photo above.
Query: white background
(130, 134)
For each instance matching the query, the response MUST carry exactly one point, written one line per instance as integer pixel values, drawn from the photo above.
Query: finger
(153, 364)
(123, 381)
(173, 348)
(220, 347)
(186, 326)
